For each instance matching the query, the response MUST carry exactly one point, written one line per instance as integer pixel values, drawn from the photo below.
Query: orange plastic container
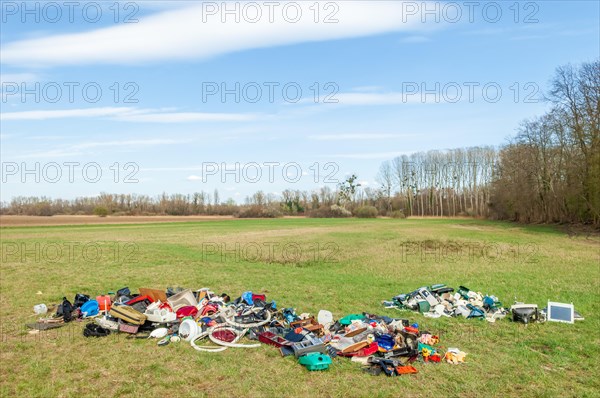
(104, 302)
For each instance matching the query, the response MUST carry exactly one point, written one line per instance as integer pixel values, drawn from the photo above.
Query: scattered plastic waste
(442, 301)
(212, 323)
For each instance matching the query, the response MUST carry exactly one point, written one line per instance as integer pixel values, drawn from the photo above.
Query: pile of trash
(440, 300)
(214, 323)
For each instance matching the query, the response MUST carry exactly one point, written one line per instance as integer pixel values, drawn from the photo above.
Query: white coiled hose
(228, 314)
(234, 343)
(231, 322)
(223, 344)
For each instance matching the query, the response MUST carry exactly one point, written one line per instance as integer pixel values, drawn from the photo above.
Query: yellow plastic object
(455, 357)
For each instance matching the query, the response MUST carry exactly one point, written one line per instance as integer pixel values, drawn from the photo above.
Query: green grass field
(345, 266)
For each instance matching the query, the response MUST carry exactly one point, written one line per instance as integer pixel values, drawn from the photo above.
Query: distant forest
(548, 173)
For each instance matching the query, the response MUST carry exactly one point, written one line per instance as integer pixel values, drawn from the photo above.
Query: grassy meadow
(342, 265)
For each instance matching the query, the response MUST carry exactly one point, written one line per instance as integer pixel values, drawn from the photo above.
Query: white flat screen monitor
(561, 312)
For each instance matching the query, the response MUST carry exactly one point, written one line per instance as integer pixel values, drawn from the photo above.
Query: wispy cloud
(183, 117)
(367, 89)
(17, 77)
(533, 31)
(557, 33)
(65, 113)
(415, 39)
(392, 98)
(355, 137)
(368, 155)
(412, 93)
(192, 33)
(87, 147)
(182, 168)
(47, 137)
(205, 167)
(126, 143)
(129, 114)
(48, 154)
(387, 98)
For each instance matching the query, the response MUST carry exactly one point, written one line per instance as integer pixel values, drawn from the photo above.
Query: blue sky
(373, 58)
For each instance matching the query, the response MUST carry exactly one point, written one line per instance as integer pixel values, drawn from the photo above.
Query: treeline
(451, 183)
(549, 172)
(437, 183)
(122, 204)
(260, 204)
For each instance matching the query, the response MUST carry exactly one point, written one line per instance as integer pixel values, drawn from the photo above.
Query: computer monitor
(561, 312)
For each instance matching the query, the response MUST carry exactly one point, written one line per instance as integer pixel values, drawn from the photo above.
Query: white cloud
(126, 143)
(163, 5)
(129, 114)
(367, 156)
(414, 93)
(367, 89)
(17, 77)
(415, 39)
(391, 98)
(192, 33)
(210, 167)
(52, 153)
(47, 137)
(194, 178)
(65, 113)
(355, 137)
(183, 117)
(184, 168)
(84, 148)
